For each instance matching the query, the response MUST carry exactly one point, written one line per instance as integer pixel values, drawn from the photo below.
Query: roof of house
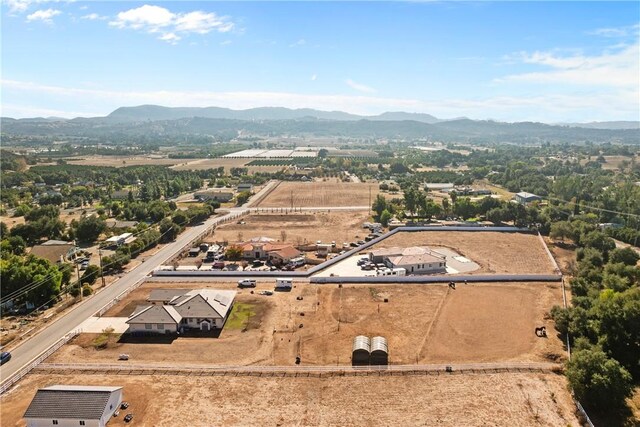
(116, 223)
(286, 252)
(397, 251)
(415, 259)
(156, 314)
(204, 303)
(166, 294)
(52, 253)
(526, 195)
(70, 402)
(53, 242)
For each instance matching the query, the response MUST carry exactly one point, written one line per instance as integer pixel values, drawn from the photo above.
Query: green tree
(627, 256)
(89, 228)
(561, 230)
(90, 275)
(385, 217)
(597, 380)
(243, 197)
(233, 253)
(169, 230)
(379, 205)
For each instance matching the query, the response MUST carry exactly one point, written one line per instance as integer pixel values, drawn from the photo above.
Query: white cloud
(170, 37)
(618, 67)
(93, 17)
(156, 19)
(360, 87)
(300, 42)
(629, 30)
(314, 77)
(21, 6)
(45, 15)
(611, 105)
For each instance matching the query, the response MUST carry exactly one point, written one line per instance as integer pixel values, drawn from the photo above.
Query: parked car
(124, 405)
(123, 356)
(128, 418)
(361, 242)
(266, 292)
(353, 244)
(5, 357)
(115, 414)
(246, 283)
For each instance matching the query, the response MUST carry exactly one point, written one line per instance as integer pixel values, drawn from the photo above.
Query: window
(81, 423)
(148, 326)
(160, 325)
(55, 422)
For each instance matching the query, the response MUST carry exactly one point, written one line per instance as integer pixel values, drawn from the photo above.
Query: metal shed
(360, 351)
(379, 351)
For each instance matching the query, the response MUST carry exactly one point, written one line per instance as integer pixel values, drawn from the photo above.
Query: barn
(73, 405)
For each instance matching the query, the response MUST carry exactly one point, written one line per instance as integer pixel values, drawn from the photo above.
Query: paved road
(32, 347)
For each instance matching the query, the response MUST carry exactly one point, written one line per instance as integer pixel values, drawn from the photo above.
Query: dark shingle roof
(75, 402)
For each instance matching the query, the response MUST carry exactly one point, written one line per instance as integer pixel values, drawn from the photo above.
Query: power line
(594, 208)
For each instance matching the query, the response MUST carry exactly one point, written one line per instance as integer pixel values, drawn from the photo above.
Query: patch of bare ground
(422, 323)
(321, 194)
(298, 227)
(495, 252)
(505, 399)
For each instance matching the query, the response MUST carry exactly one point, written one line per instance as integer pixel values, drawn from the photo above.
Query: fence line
(257, 370)
(35, 362)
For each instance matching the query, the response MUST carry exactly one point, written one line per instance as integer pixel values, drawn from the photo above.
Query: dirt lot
(299, 227)
(321, 194)
(495, 252)
(121, 161)
(512, 399)
(422, 323)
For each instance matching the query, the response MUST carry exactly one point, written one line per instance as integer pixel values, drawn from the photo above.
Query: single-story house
(55, 250)
(171, 312)
(525, 198)
(220, 196)
(245, 187)
(283, 255)
(418, 264)
(73, 405)
(275, 252)
(415, 259)
(122, 239)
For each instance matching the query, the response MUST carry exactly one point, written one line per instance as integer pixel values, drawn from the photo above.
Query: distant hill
(144, 130)
(605, 125)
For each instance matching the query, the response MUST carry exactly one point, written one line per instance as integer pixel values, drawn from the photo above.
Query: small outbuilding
(73, 405)
(360, 351)
(525, 198)
(379, 351)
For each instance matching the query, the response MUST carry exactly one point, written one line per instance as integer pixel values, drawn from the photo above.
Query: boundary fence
(300, 371)
(6, 384)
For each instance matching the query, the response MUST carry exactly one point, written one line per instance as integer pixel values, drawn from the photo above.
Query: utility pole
(101, 272)
(79, 283)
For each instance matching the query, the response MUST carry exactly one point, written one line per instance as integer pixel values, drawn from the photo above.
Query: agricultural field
(513, 399)
(122, 161)
(298, 227)
(321, 194)
(612, 162)
(422, 323)
(495, 252)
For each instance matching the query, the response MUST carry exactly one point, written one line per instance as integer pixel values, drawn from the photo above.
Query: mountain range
(152, 121)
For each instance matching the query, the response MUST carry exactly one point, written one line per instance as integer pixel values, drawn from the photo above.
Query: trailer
(284, 284)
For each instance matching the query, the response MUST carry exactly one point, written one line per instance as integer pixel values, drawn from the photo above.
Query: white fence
(35, 362)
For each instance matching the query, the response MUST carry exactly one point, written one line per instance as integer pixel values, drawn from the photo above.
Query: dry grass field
(121, 161)
(227, 163)
(495, 252)
(422, 323)
(321, 194)
(513, 399)
(299, 227)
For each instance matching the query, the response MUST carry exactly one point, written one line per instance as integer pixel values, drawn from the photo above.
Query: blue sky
(511, 61)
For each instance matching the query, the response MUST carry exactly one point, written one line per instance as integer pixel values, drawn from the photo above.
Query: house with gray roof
(73, 405)
(173, 311)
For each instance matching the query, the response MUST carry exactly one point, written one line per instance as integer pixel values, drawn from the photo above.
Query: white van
(284, 284)
(246, 283)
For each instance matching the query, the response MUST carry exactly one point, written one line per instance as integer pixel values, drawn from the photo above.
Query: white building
(73, 405)
(414, 260)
